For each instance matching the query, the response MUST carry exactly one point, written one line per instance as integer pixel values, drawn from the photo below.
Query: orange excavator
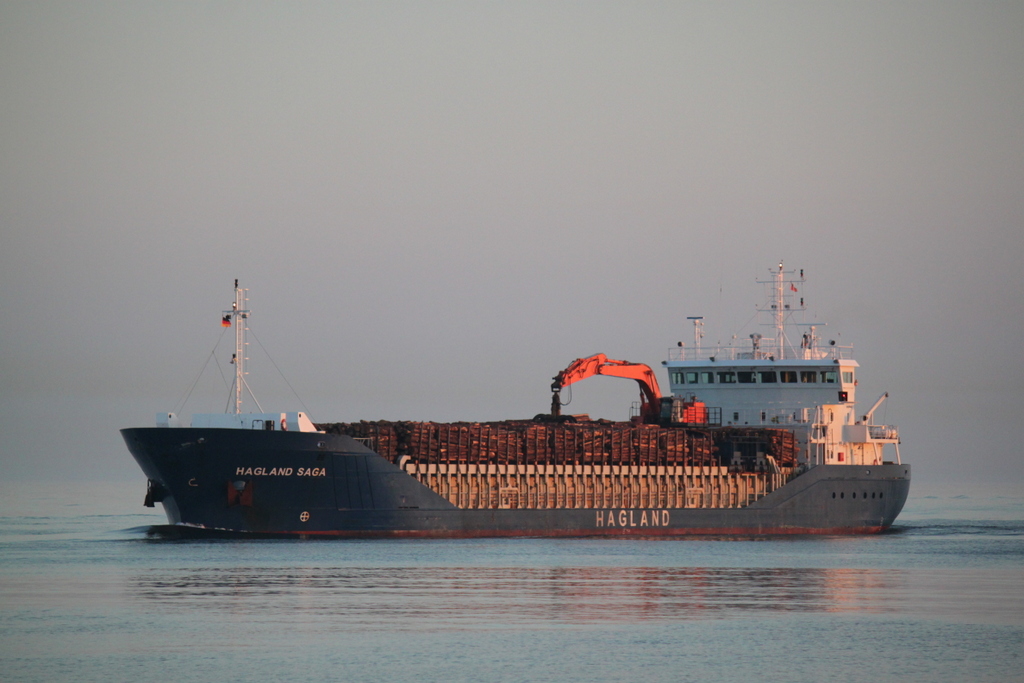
(599, 364)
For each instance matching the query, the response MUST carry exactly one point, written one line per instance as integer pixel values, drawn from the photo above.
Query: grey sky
(437, 206)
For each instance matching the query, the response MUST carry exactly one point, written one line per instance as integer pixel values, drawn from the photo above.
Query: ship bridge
(762, 391)
(781, 379)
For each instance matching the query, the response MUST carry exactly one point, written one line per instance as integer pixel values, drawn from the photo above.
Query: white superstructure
(790, 379)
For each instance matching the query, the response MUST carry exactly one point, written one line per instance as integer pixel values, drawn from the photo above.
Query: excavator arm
(599, 364)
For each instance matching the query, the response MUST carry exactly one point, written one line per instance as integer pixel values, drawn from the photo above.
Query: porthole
(842, 495)
(854, 494)
(865, 495)
(879, 495)
(872, 496)
(833, 494)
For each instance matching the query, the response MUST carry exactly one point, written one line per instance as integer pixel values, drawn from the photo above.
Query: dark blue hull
(232, 482)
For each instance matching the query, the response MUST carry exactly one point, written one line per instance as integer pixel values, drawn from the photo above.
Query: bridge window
(727, 377)
(747, 377)
(847, 377)
(768, 377)
(691, 378)
(828, 376)
(808, 377)
(707, 378)
(787, 376)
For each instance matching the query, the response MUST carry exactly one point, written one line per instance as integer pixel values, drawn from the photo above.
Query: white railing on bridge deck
(727, 353)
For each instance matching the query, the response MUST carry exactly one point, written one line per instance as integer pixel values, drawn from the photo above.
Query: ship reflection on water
(462, 597)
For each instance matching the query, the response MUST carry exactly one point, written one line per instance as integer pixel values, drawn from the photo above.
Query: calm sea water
(85, 595)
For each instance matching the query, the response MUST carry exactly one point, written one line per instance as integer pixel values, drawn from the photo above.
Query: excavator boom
(599, 364)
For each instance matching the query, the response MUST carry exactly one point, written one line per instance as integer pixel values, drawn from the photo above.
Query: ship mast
(240, 314)
(698, 332)
(780, 315)
(779, 307)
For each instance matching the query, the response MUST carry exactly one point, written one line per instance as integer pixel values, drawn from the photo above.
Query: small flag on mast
(792, 286)
(225, 321)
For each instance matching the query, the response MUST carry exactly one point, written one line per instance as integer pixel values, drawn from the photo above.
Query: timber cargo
(759, 440)
(520, 464)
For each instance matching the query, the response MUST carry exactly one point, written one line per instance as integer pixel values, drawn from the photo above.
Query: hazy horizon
(437, 206)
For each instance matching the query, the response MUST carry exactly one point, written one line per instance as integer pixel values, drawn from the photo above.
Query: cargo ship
(753, 439)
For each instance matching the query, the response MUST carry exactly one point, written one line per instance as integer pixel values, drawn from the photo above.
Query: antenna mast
(779, 307)
(240, 314)
(780, 315)
(698, 332)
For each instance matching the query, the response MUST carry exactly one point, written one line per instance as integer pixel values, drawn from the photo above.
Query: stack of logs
(539, 443)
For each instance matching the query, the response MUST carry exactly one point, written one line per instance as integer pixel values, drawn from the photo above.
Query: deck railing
(883, 432)
(727, 353)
